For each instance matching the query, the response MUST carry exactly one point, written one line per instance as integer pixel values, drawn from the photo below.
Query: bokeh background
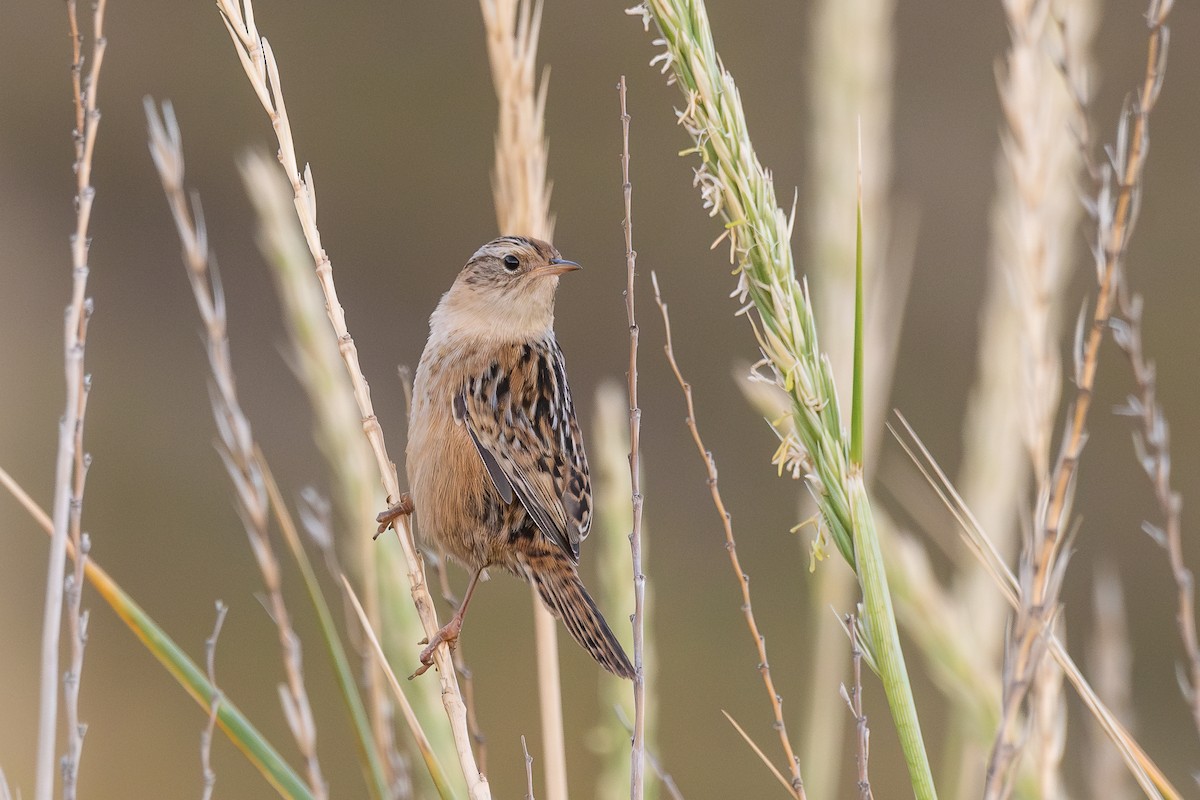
(393, 106)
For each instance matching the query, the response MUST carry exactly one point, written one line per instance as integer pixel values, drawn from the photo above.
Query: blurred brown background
(393, 106)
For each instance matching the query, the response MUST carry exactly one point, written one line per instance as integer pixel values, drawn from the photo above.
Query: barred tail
(558, 583)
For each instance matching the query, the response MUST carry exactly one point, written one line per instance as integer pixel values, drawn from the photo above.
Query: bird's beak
(557, 266)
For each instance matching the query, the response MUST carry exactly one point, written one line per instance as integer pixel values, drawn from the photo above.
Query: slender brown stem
(760, 642)
(637, 771)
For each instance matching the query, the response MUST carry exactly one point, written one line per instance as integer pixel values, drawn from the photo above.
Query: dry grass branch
(1043, 560)
(239, 452)
(638, 756)
(258, 61)
(1152, 444)
(795, 784)
(206, 736)
(464, 671)
(423, 744)
(70, 463)
(1150, 778)
(853, 698)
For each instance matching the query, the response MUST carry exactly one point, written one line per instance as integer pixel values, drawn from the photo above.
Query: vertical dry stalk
(1152, 443)
(70, 463)
(1043, 559)
(522, 199)
(206, 736)
(796, 783)
(258, 61)
(853, 698)
(238, 451)
(638, 756)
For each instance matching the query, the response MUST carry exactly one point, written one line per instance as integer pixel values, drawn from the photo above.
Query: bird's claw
(387, 519)
(448, 635)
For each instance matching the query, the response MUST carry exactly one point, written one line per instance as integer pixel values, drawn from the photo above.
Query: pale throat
(496, 316)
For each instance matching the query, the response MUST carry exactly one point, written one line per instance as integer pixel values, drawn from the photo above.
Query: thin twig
(796, 785)
(258, 61)
(637, 772)
(528, 770)
(1152, 444)
(239, 451)
(758, 752)
(206, 736)
(70, 430)
(853, 698)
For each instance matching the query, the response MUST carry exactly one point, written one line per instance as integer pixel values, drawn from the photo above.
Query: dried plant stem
(67, 483)
(206, 736)
(258, 61)
(853, 698)
(1152, 444)
(795, 783)
(1150, 778)
(554, 750)
(638, 756)
(239, 451)
(528, 770)
(1043, 562)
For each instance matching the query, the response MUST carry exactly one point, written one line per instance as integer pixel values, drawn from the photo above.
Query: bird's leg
(388, 518)
(448, 634)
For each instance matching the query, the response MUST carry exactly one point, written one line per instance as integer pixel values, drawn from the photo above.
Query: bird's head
(506, 290)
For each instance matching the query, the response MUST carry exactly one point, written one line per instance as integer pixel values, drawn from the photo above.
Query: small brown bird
(496, 464)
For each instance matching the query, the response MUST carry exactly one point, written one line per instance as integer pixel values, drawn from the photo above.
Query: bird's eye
(511, 263)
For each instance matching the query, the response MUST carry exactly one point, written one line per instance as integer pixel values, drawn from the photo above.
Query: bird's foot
(388, 518)
(448, 634)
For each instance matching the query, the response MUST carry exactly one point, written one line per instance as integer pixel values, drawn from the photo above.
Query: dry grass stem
(1152, 444)
(206, 736)
(795, 784)
(638, 756)
(414, 725)
(758, 752)
(652, 761)
(1150, 778)
(1043, 560)
(239, 452)
(528, 770)
(258, 61)
(853, 698)
(70, 463)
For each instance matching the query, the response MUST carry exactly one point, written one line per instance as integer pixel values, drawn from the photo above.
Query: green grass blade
(856, 402)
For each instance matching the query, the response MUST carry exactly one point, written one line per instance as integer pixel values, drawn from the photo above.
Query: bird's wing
(522, 420)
